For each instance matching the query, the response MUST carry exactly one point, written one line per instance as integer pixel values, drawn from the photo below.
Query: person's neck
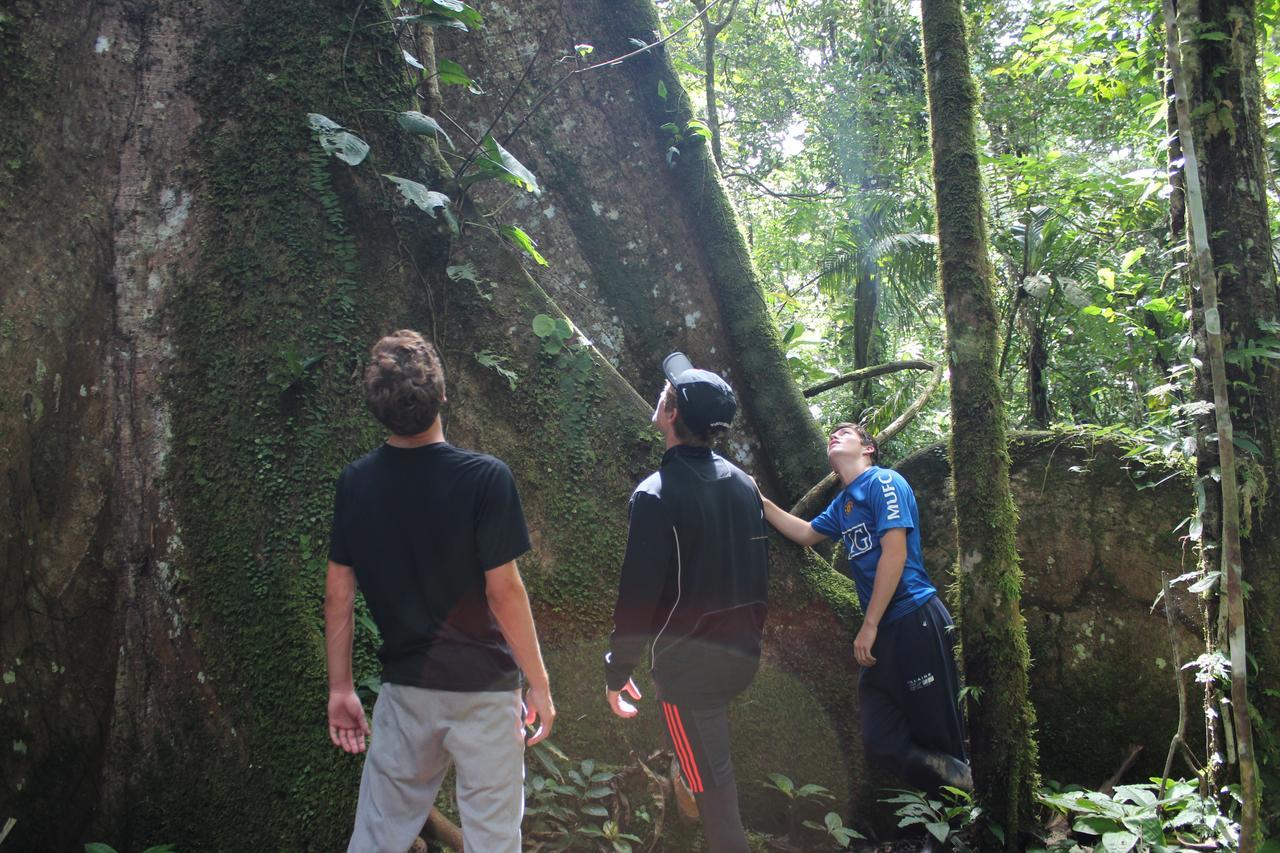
(433, 434)
(849, 470)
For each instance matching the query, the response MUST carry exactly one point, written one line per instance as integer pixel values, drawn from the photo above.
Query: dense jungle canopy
(982, 230)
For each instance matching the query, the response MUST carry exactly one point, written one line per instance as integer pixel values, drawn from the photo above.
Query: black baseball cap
(704, 400)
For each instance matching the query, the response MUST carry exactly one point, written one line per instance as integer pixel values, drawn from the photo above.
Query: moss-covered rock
(1095, 532)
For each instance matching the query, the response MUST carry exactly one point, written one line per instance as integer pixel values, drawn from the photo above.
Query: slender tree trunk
(996, 658)
(711, 30)
(1224, 98)
(1231, 571)
(1037, 370)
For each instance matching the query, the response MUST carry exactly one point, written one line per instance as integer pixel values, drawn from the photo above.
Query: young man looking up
(431, 533)
(907, 689)
(693, 588)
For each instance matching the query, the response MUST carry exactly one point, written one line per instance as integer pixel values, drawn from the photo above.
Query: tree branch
(820, 196)
(867, 373)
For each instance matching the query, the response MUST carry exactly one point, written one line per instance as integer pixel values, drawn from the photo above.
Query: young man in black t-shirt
(430, 533)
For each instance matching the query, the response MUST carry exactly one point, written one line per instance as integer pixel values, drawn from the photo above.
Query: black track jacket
(694, 581)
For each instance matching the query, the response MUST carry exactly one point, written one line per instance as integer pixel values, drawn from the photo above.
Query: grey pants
(416, 733)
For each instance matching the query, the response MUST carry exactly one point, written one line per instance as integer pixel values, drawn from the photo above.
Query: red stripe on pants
(684, 751)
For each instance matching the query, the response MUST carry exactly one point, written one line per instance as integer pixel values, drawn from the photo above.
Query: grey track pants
(416, 733)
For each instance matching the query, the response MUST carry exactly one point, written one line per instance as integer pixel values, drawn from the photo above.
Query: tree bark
(195, 283)
(1225, 97)
(996, 658)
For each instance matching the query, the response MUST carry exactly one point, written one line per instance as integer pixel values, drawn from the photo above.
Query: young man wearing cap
(431, 533)
(908, 686)
(692, 593)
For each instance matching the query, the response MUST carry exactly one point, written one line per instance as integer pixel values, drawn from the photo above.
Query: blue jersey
(879, 500)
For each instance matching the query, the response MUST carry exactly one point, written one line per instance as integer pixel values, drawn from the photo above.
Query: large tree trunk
(192, 284)
(993, 632)
(1226, 106)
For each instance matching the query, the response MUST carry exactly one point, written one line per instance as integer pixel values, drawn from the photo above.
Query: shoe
(685, 802)
(928, 768)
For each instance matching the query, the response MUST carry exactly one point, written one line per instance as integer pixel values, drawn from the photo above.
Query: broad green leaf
(433, 20)
(451, 73)
(524, 241)
(453, 9)
(938, 830)
(812, 790)
(335, 141)
(1119, 842)
(598, 793)
(98, 847)
(420, 124)
(1095, 825)
(500, 163)
(1131, 257)
(322, 124)
(698, 128)
(543, 758)
(833, 821)
(564, 331)
(595, 810)
(662, 90)
(1141, 795)
(418, 195)
(782, 783)
(553, 749)
(543, 325)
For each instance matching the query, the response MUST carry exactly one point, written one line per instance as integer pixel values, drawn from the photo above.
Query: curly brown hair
(404, 382)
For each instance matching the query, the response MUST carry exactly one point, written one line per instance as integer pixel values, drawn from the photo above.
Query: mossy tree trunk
(1226, 108)
(993, 633)
(194, 285)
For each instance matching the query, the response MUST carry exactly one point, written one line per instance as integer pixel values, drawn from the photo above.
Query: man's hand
(863, 643)
(538, 706)
(621, 706)
(348, 727)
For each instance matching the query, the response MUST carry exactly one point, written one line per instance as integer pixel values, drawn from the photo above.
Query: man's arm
(646, 566)
(791, 526)
(893, 557)
(347, 724)
(509, 602)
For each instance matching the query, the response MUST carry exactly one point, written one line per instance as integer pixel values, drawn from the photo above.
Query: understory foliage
(821, 107)
(822, 131)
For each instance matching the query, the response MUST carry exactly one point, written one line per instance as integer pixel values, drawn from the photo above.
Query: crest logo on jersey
(859, 540)
(848, 507)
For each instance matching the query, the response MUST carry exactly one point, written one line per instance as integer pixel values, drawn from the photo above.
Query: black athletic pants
(909, 697)
(700, 737)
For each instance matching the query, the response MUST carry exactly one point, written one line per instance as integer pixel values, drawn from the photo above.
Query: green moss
(25, 88)
(260, 440)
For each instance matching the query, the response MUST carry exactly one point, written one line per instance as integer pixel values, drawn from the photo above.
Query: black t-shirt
(421, 526)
